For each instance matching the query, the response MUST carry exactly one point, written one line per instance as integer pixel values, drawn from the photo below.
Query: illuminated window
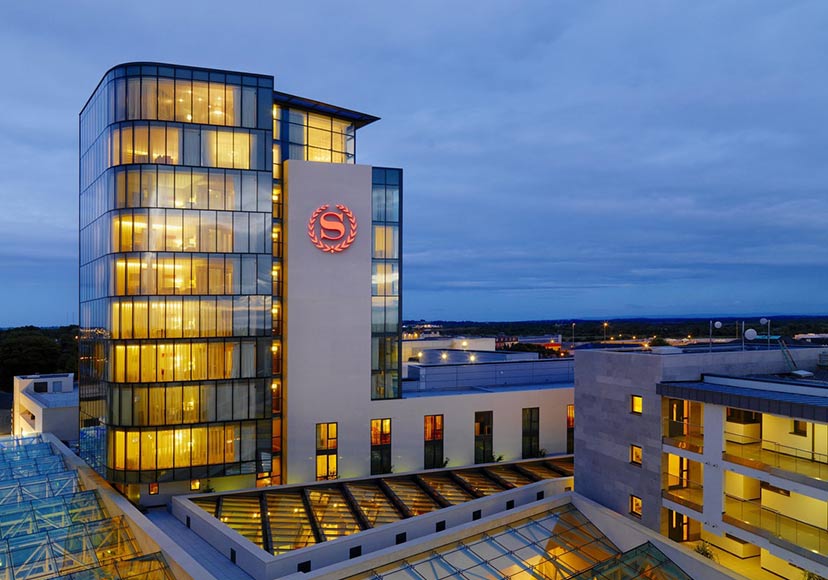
(800, 428)
(635, 454)
(635, 506)
(636, 404)
(433, 441)
(570, 428)
(380, 446)
(326, 447)
(195, 484)
(153, 489)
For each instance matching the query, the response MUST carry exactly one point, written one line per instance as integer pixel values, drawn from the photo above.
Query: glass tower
(182, 273)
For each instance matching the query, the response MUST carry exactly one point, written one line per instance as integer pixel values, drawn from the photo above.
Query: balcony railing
(762, 454)
(684, 492)
(683, 435)
(787, 532)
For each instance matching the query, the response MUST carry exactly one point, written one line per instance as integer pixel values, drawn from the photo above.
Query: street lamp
(764, 321)
(713, 325)
(573, 336)
(605, 330)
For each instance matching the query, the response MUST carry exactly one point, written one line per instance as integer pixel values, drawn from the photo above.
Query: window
(800, 428)
(531, 432)
(636, 404)
(570, 428)
(195, 484)
(635, 455)
(40, 386)
(326, 447)
(153, 489)
(433, 441)
(380, 446)
(483, 437)
(635, 506)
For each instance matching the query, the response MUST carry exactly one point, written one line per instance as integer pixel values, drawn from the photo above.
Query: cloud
(561, 159)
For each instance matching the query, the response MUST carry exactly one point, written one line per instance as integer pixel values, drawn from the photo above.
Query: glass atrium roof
(50, 527)
(558, 544)
(297, 517)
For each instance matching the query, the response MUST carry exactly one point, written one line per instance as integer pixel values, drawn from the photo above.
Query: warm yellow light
(472, 358)
(444, 356)
(420, 354)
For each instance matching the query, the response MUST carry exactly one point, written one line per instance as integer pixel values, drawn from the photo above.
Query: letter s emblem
(331, 221)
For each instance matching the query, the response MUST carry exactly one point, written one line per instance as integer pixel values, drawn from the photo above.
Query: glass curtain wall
(177, 275)
(386, 312)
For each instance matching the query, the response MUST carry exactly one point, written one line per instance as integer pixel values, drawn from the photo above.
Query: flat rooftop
(773, 394)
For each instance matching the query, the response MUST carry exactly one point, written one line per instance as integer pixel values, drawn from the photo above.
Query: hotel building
(240, 291)
(725, 447)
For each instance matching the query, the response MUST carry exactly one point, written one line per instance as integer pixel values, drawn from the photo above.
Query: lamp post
(717, 325)
(766, 321)
(605, 330)
(573, 338)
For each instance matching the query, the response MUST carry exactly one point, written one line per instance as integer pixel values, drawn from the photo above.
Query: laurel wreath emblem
(344, 244)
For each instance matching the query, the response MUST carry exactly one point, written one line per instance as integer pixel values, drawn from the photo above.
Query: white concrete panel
(328, 314)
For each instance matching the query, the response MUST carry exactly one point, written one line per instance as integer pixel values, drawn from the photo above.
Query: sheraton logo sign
(332, 231)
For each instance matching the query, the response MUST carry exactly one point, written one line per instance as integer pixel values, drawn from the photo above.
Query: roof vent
(802, 374)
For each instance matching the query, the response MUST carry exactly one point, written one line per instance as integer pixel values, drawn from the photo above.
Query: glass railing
(684, 492)
(750, 515)
(683, 435)
(769, 453)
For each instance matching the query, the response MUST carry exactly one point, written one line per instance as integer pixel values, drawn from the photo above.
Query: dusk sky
(563, 159)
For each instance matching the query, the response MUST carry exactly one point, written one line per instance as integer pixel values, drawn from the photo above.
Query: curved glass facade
(182, 269)
(177, 274)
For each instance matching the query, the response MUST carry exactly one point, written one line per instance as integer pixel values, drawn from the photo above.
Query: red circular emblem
(330, 235)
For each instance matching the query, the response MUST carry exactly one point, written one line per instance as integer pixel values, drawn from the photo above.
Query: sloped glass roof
(300, 516)
(50, 527)
(556, 544)
(645, 561)
(560, 543)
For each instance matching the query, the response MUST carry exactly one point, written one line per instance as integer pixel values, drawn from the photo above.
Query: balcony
(793, 535)
(683, 435)
(772, 457)
(684, 492)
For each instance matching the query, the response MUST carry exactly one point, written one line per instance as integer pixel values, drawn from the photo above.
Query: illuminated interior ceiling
(50, 527)
(301, 516)
(558, 544)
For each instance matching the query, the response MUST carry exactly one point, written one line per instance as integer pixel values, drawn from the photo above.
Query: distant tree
(658, 341)
(26, 351)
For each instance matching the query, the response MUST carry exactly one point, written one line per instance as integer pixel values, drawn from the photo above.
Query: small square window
(153, 489)
(800, 428)
(635, 455)
(195, 484)
(636, 404)
(635, 506)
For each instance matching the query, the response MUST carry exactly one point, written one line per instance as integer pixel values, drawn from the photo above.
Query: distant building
(412, 348)
(728, 446)
(46, 404)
